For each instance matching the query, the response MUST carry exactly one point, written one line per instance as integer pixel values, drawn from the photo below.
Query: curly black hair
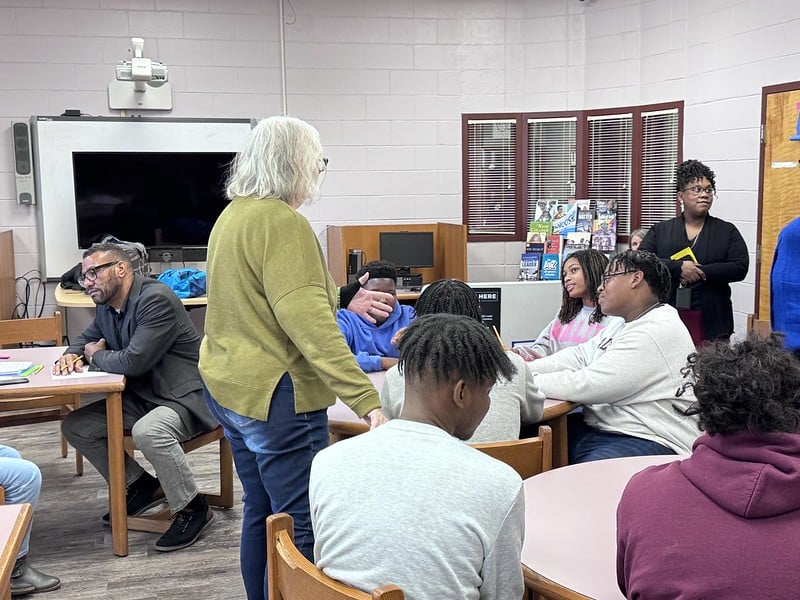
(378, 269)
(449, 296)
(593, 263)
(753, 384)
(690, 171)
(446, 347)
(656, 274)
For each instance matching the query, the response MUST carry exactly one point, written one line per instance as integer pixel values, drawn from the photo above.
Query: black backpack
(136, 252)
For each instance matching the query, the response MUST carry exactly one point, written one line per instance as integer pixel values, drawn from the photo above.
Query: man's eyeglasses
(323, 164)
(696, 190)
(91, 274)
(607, 276)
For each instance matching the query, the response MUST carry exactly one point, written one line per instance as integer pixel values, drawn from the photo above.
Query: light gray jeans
(157, 432)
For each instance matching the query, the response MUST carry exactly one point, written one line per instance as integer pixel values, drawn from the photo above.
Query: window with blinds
(491, 179)
(626, 157)
(609, 177)
(551, 161)
(659, 162)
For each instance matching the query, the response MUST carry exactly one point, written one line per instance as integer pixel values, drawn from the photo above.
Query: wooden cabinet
(7, 284)
(449, 243)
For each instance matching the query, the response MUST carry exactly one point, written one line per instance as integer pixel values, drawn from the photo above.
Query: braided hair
(446, 348)
(692, 170)
(656, 274)
(378, 269)
(449, 296)
(593, 263)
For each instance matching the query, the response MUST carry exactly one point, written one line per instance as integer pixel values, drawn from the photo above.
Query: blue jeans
(22, 482)
(273, 460)
(587, 443)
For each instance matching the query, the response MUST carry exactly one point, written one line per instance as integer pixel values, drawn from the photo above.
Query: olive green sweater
(271, 304)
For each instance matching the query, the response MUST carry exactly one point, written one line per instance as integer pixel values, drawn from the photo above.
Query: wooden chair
(342, 430)
(160, 521)
(761, 327)
(23, 410)
(528, 456)
(291, 576)
(541, 588)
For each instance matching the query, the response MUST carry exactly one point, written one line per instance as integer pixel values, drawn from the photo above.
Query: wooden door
(780, 181)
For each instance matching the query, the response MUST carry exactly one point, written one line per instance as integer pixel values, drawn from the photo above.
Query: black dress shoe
(143, 494)
(186, 527)
(27, 580)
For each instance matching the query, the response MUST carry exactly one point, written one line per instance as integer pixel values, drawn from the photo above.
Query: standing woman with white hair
(273, 358)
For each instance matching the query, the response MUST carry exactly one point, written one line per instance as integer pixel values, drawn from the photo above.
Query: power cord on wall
(31, 299)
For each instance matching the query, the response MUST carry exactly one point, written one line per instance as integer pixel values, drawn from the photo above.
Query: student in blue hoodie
(372, 343)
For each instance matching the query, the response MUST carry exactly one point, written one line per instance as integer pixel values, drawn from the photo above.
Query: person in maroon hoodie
(725, 522)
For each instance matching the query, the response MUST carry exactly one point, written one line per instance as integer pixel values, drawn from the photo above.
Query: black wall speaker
(23, 162)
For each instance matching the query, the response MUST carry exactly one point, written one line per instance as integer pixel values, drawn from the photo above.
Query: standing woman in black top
(717, 245)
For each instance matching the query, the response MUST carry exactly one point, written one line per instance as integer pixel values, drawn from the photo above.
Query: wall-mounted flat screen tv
(145, 179)
(156, 198)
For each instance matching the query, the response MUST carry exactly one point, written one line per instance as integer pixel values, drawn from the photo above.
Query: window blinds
(659, 161)
(492, 180)
(551, 161)
(609, 177)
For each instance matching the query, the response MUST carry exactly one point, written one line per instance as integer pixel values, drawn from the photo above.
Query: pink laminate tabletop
(14, 520)
(570, 523)
(44, 384)
(341, 412)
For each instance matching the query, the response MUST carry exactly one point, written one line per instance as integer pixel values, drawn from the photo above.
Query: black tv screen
(156, 198)
(407, 248)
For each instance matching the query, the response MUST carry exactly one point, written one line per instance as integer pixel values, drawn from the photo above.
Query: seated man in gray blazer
(142, 331)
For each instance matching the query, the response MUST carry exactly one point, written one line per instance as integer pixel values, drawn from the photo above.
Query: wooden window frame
(582, 161)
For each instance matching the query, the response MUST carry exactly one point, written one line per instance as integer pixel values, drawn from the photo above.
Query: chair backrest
(293, 577)
(18, 331)
(528, 456)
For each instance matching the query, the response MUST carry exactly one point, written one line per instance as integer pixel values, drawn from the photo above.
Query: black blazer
(722, 255)
(154, 344)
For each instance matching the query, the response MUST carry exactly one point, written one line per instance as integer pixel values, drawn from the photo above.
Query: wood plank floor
(70, 541)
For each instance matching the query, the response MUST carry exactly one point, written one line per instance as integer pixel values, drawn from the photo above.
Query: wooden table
(43, 384)
(570, 543)
(344, 423)
(14, 521)
(78, 299)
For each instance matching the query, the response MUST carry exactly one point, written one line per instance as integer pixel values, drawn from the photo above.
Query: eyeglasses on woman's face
(696, 190)
(91, 274)
(323, 164)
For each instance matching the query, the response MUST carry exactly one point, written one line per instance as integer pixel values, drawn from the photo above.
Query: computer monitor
(407, 249)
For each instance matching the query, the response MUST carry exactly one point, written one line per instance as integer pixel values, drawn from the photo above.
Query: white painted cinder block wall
(385, 82)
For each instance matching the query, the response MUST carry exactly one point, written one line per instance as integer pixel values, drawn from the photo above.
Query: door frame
(765, 91)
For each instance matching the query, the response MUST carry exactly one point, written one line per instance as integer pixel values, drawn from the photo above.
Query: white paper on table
(76, 375)
(14, 367)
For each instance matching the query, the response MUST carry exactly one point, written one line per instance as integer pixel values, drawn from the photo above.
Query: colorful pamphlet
(551, 267)
(529, 266)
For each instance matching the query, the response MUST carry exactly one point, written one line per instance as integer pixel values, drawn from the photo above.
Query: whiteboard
(54, 139)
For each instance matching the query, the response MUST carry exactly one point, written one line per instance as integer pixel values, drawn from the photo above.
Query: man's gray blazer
(154, 344)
